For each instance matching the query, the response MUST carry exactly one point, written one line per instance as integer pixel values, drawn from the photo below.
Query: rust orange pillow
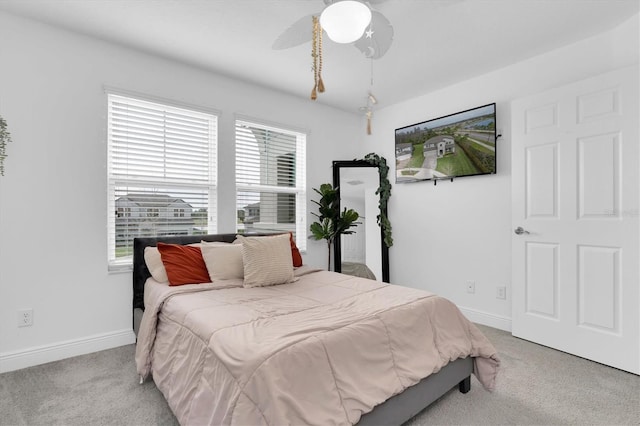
(184, 264)
(295, 253)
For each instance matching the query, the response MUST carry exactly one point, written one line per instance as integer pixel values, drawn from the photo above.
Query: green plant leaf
(384, 190)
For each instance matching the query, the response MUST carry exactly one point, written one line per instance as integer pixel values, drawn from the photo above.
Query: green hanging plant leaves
(384, 190)
(5, 138)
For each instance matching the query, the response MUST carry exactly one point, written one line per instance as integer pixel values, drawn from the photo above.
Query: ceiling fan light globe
(345, 21)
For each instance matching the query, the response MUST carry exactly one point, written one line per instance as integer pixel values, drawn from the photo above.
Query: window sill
(119, 269)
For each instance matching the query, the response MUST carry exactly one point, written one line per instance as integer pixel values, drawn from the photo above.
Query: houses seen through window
(161, 172)
(270, 180)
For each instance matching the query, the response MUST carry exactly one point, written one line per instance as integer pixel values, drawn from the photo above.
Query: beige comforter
(323, 350)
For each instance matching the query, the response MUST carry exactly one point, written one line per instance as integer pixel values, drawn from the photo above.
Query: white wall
(457, 231)
(53, 200)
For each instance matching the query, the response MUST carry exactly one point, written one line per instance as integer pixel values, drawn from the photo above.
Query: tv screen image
(460, 144)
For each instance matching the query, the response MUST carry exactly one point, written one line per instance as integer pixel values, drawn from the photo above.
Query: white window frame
(206, 184)
(300, 190)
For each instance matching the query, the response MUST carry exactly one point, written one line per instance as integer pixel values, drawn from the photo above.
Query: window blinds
(270, 180)
(161, 172)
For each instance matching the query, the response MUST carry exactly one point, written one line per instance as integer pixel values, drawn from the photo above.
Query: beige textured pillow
(224, 262)
(154, 263)
(267, 260)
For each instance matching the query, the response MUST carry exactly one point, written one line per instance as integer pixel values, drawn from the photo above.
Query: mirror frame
(337, 244)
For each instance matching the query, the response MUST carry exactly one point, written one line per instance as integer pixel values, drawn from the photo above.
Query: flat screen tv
(455, 145)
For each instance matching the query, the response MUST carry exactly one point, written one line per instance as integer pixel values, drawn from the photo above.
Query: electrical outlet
(471, 286)
(501, 292)
(25, 318)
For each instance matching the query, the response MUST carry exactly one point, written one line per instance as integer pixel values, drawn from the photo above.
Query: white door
(576, 185)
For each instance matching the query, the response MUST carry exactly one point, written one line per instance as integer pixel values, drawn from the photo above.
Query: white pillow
(267, 260)
(224, 262)
(154, 263)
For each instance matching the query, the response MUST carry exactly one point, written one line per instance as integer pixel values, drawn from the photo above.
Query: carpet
(536, 386)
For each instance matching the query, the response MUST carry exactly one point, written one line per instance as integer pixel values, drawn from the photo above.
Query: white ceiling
(436, 42)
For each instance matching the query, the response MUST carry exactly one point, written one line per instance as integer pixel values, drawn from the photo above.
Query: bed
(292, 365)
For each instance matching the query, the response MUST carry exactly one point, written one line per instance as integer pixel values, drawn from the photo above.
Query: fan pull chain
(371, 100)
(371, 81)
(320, 82)
(314, 55)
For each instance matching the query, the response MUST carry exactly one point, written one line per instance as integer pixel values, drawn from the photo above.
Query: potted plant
(5, 137)
(331, 221)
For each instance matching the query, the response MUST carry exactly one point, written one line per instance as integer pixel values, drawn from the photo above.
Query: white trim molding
(485, 318)
(10, 361)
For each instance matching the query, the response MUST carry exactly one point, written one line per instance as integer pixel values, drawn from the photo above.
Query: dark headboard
(140, 270)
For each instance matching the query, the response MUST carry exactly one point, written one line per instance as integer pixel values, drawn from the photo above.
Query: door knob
(520, 230)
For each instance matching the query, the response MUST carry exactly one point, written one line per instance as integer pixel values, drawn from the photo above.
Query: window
(271, 180)
(161, 160)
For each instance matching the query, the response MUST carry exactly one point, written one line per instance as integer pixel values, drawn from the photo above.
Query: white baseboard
(484, 318)
(10, 361)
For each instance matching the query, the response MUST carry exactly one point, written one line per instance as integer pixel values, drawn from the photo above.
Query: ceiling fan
(373, 42)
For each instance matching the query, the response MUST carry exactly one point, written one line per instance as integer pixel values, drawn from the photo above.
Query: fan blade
(298, 33)
(380, 41)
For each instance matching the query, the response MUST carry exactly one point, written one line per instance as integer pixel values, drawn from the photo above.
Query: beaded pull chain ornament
(316, 54)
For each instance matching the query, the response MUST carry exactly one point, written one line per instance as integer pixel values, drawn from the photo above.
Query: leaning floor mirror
(364, 252)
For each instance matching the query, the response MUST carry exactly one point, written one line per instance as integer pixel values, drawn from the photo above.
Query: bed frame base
(402, 407)
(465, 385)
